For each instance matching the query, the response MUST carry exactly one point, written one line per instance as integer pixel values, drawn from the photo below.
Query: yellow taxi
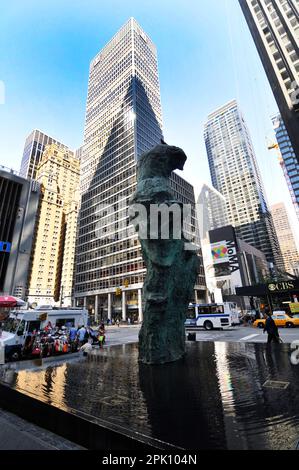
(280, 319)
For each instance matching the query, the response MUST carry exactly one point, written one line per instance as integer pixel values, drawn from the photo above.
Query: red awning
(7, 301)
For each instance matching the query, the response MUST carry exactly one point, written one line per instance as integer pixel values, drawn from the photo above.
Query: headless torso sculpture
(171, 268)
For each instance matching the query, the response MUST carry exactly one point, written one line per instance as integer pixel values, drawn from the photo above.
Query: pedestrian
(117, 322)
(81, 335)
(271, 328)
(93, 336)
(73, 333)
(73, 338)
(102, 336)
(86, 348)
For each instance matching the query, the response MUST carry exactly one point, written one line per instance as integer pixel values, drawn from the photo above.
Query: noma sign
(225, 252)
(232, 256)
(281, 286)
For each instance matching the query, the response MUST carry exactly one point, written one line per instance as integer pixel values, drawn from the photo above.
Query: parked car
(280, 319)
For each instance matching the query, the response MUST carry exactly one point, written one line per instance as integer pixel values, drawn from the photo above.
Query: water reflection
(212, 399)
(184, 401)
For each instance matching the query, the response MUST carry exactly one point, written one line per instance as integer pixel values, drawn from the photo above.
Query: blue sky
(206, 58)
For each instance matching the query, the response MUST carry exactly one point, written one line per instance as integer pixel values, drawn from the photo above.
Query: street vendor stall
(40, 332)
(7, 302)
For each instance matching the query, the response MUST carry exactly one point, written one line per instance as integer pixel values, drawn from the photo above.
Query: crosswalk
(247, 338)
(237, 334)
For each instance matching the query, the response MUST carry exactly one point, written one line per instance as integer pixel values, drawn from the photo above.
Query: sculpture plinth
(172, 264)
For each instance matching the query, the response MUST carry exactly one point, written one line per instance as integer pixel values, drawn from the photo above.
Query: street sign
(5, 247)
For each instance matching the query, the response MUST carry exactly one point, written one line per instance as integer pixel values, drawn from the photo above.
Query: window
(68, 322)
(33, 325)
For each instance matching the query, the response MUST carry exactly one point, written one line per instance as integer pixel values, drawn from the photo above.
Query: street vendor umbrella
(7, 301)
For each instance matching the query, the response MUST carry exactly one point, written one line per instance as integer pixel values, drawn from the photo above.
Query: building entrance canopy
(262, 290)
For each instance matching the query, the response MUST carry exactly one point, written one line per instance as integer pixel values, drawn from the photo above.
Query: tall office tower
(211, 215)
(19, 203)
(79, 153)
(287, 160)
(285, 237)
(274, 25)
(123, 119)
(51, 277)
(35, 144)
(235, 174)
(212, 210)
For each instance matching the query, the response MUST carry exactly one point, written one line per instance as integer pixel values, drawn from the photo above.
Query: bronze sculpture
(171, 268)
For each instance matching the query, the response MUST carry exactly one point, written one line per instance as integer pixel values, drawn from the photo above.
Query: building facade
(211, 205)
(51, 277)
(211, 215)
(235, 174)
(287, 160)
(234, 264)
(79, 153)
(123, 120)
(35, 145)
(19, 204)
(274, 25)
(286, 238)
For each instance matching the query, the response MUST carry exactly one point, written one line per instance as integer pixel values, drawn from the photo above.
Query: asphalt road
(241, 334)
(248, 334)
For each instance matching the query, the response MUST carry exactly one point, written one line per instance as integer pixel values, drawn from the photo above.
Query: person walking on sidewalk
(271, 329)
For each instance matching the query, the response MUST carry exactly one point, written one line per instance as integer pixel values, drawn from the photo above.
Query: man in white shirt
(86, 348)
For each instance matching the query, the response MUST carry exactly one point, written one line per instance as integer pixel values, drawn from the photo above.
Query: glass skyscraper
(235, 174)
(286, 237)
(274, 25)
(288, 161)
(212, 205)
(35, 144)
(123, 119)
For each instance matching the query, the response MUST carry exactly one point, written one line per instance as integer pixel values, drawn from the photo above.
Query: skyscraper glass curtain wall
(288, 161)
(274, 25)
(235, 174)
(123, 120)
(35, 145)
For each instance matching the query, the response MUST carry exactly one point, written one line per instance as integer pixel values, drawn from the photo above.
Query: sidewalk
(18, 434)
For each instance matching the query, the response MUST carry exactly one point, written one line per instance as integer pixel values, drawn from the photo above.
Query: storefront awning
(272, 288)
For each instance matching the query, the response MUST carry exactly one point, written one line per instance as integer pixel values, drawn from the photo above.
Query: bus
(210, 316)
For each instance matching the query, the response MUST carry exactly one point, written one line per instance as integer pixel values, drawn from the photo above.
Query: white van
(210, 316)
(20, 323)
(234, 312)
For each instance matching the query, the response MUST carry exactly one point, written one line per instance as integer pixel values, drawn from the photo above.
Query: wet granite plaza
(220, 396)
